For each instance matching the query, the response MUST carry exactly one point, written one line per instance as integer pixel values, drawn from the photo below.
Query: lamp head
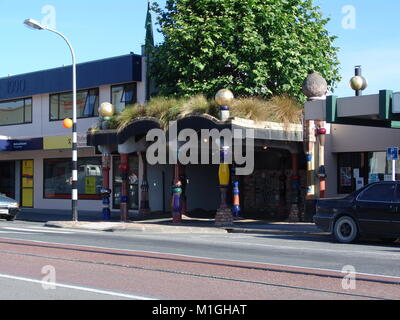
(33, 24)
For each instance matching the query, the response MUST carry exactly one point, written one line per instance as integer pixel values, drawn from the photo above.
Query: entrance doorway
(133, 183)
(7, 178)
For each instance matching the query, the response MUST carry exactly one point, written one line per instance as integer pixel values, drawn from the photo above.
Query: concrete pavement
(162, 223)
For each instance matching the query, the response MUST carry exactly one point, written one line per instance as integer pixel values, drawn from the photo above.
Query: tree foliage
(253, 47)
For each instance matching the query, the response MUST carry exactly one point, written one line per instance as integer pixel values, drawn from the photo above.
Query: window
(352, 171)
(87, 104)
(57, 178)
(16, 112)
(123, 95)
(380, 169)
(380, 192)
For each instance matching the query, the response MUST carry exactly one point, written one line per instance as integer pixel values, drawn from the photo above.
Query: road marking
(15, 232)
(53, 229)
(37, 231)
(105, 292)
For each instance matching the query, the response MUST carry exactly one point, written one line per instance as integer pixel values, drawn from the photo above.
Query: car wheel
(345, 230)
(10, 218)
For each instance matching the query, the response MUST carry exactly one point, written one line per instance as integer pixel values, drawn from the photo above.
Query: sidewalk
(162, 223)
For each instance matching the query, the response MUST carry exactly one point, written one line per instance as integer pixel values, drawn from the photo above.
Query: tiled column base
(224, 217)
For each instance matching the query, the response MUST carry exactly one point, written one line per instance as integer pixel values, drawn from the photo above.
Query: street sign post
(393, 155)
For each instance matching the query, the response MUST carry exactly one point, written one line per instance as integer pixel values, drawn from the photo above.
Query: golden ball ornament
(358, 83)
(224, 97)
(106, 110)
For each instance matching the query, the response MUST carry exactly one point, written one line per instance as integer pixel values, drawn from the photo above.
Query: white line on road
(38, 231)
(16, 232)
(105, 292)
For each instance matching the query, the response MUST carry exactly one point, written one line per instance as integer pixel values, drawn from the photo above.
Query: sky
(367, 31)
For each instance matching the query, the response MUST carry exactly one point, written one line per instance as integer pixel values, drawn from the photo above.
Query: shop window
(15, 112)
(58, 173)
(123, 95)
(380, 169)
(87, 104)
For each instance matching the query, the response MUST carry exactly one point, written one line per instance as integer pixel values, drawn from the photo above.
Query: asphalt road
(46, 263)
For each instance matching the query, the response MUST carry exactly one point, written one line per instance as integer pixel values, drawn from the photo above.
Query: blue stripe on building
(127, 68)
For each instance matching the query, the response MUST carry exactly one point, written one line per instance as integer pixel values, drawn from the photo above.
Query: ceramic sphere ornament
(106, 110)
(67, 123)
(224, 97)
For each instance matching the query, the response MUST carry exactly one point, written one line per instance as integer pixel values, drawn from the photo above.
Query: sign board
(392, 154)
(63, 142)
(21, 145)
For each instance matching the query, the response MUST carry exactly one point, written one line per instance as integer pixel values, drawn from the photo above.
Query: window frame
(71, 92)
(124, 85)
(24, 111)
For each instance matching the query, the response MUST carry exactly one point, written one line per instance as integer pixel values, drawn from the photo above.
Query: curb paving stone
(273, 228)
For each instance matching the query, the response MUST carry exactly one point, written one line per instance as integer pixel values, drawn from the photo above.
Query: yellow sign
(27, 198)
(59, 142)
(27, 168)
(27, 182)
(90, 185)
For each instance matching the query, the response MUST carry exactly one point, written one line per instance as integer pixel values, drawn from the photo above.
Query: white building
(35, 148)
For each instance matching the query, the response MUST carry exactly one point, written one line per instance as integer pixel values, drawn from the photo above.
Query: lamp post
(33, 24)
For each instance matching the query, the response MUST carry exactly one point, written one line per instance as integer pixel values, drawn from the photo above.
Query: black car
(374, 210)
(9, 208)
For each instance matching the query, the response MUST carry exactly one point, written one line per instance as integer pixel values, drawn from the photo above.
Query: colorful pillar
(321, 133)
(124, 169)
(224, 213)
(144, 187)
(182, 178)
(236, 200)
(106, 191)
(176, 197)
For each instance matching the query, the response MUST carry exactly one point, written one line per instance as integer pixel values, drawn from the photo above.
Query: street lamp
(33, 24)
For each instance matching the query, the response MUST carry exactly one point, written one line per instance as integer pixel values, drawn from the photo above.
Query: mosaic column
(235, 194)
(144, 207)
(176, 197)
(106, 191)
(124, 170)
(224, 213)
(321, 132)
(182, 178)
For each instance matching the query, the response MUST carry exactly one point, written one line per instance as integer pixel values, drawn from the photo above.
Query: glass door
(133, 183)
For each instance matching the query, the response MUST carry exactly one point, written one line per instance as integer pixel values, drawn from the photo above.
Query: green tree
(253, 47)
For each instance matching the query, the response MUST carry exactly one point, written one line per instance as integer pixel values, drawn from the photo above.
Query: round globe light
(106, 110)
(224, 97)
(67, 123)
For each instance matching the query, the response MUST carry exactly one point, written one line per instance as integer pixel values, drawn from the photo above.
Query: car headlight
(14, 205)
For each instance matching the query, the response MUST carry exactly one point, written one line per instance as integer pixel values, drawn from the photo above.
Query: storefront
(35, 148)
